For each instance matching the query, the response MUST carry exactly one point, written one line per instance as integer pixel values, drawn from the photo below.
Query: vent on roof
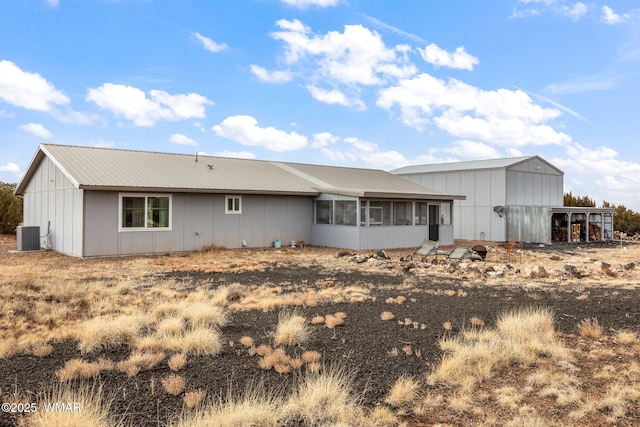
(28, 238)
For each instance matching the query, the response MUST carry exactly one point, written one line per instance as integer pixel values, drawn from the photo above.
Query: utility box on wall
(28, 238)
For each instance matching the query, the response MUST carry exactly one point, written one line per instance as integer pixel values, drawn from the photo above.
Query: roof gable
(505, 163)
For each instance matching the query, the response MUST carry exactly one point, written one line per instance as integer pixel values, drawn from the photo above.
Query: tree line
(10, 209)
(624, 219)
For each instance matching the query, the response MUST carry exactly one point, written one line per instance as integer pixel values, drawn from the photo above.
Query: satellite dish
(499, 210)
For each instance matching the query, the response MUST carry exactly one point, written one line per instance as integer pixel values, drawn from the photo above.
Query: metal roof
(127, 170)
(466, 166)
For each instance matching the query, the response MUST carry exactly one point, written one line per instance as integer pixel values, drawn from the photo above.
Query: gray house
(92, 202)
(512, 199)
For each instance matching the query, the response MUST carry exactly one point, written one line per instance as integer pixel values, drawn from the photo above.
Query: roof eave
(194, 190)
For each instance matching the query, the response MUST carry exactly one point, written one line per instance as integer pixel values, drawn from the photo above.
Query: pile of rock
(620, 235)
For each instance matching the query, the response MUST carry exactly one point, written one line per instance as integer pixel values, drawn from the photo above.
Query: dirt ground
(438, 299)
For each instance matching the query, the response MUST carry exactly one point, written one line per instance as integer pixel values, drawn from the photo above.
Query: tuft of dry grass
(108, 331)
(42, 350)
(91, 408)
(521, 337)
(292, 329)
(590, 328)
(332, 321)
(246, 341)
(324, 399)
(254, 407)
(317, 320)
(626, 337)
(78, 368)
(387, 315)
(139, 361)
(177, 362)
(173, 384)
(194, 398)
(403, 392)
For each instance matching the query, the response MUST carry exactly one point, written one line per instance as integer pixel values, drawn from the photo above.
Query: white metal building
(515, 199)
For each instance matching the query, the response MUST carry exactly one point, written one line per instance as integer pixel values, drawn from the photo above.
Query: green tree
(10, 208)
(624, 219)
(584, 201)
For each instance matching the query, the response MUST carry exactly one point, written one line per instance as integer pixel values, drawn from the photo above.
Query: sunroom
(376, 222)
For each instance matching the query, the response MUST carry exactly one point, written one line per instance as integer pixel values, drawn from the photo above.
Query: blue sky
(376, 83)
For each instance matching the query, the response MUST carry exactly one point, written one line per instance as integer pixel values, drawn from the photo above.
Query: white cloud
(576, 11)
(358, 151)
(271, 76)
(324, 139)
(53, 3)
(611, 18)
(28, 90)
(133, 104)
(356, 56)
(500, 117)
(608, 177)
(209, 44)
(598, 82)
(37, 130)
(178, 138)
(236, 154)
(304, 4)
(470, 150)
(334, 96)
(10, 167)
(459, 59)
(245, 130)
(394, 30)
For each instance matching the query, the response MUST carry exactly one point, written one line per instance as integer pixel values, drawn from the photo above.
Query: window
(233, 204)
(145, 211)
(445, 213)
(346, 212)
(324, 211)
(379, 213)
(421, 213)
(402, 213)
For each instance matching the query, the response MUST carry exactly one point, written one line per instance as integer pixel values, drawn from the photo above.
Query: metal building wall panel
(198, 221)
(529, 224)
(101, 236)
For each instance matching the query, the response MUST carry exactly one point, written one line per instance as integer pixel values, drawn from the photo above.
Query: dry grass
(590, 328)
(194, 398)
(404, 391)
(78, 368)
(108, 331)
(139, 361)
(177, 362)
(387, 315)
(292, 329)
(324, 399)
(521, 337)
(90, 408)
(173, 384)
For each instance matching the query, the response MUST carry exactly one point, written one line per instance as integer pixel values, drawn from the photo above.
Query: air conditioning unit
(28, 238)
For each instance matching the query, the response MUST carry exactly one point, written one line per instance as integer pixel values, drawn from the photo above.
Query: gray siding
(52, 202)
(198, 220)
(473, 218)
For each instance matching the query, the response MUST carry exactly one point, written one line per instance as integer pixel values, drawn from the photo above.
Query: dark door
(434, 222)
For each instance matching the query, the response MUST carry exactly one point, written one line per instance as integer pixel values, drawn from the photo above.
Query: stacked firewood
(559, 234)
(595, 232)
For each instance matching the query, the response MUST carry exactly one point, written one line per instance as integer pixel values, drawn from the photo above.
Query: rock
(555, 258)
(629, 266)
(571, 270)
(607, 270)
(359, 259)
(382, 254)
(411, 266)
(538, 272)
(453, 267)
(342, 254)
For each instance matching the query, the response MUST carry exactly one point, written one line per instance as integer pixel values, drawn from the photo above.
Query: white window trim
(226, 204)
(145, 195)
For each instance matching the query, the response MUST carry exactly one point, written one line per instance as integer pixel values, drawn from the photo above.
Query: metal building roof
(466, 166)
(127, 170)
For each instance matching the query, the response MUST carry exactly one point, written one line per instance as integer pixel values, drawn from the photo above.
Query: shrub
(590, 328)
(292, 329)
(173, 384)
(404, 391)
